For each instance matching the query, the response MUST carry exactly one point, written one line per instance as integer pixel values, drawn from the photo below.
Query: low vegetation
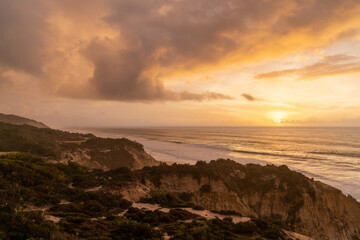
(41, 141)
(171, 200)
(62, 145)
(33, 190)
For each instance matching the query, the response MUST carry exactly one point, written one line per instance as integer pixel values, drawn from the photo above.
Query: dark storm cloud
(22, 29)
(192, 33)
(118, 75)
(156, 40)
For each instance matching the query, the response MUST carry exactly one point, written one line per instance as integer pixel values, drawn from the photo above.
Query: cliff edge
(305, 206)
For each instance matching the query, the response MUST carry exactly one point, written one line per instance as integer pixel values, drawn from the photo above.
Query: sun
(278, 117)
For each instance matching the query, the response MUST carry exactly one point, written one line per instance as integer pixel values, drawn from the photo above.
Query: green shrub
(206, 188)
(128, 229)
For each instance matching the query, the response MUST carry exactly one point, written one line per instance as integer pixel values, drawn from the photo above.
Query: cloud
(337, 58)
(21, 35)
(126, 50)
(249, 97)
(118, 76)
(327, 66)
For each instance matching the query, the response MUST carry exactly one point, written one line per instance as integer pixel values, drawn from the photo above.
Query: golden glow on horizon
(278, 116)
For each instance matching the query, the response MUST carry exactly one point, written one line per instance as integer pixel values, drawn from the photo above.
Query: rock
(309, 208)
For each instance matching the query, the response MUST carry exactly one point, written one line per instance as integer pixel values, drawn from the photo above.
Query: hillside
(78, 186)
(62, 146)
(16, 120)
(43, 200)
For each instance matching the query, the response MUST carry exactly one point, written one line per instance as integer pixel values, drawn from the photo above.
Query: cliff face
(331, 216)
(307, 207)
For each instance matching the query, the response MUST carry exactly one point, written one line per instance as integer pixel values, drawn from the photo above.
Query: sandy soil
(4, 153)
(204, 213)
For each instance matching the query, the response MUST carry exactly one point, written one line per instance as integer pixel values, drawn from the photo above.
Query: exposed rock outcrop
(308, 207)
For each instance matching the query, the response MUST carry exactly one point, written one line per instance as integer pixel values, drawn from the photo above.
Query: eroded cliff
(306, 206)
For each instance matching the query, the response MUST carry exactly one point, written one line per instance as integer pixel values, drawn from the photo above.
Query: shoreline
(187, 153)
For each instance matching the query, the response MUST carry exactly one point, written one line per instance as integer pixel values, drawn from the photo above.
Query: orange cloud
(327, 66)
(251, 98)
(126, 49)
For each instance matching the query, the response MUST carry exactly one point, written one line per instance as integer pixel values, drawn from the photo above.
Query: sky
(181, 63)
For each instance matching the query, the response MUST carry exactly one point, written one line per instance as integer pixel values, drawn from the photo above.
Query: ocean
(330, 155)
